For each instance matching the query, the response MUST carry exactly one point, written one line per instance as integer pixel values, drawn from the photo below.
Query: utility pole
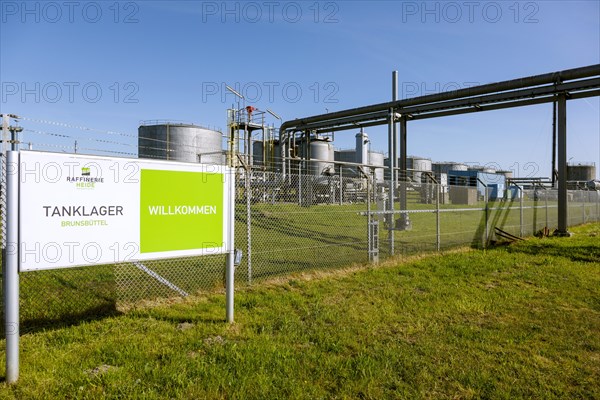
(9, 133)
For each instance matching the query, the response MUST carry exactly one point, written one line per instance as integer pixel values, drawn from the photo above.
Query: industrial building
(466, 186)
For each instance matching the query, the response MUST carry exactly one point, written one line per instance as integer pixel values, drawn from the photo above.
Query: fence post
(300, 183)
(546, 202)
(521, 211)
(582, 209)
(249, 220)
(369, 226)
(486, 198)
(341, 184)
(487, 233)
(437, 217)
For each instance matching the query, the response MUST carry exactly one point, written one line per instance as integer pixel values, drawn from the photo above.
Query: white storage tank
(444, 167)
(346, 156)
(321, 154)
(180, 142)
(507, 174)
(418, 165)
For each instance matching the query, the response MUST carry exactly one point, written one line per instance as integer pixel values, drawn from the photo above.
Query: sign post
(10, 275)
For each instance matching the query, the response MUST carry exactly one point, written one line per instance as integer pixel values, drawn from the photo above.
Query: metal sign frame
(12, 260)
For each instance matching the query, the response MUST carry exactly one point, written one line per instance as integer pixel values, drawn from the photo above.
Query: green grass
(519, 321)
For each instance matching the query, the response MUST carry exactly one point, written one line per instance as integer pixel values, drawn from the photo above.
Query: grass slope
(515, 322)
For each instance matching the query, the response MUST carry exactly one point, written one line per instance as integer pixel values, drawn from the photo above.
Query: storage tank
(418, 165)
(320, 153)
(507, 174)
(180, 142)
(446, 166)
(272, 153)
(482, 169)
(346, 156)
(376, 158)
(581, 172)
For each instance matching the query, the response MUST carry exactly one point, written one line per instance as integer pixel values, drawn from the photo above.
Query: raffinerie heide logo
(180, 210)
(86, 180)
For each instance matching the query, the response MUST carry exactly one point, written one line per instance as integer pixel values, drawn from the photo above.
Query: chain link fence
(303, 222)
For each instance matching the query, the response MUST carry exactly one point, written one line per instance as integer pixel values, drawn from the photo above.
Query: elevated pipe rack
(555, 87)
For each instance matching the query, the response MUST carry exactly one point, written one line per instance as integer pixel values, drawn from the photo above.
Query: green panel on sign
(180, 210)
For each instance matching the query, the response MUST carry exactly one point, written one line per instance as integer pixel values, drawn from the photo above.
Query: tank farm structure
(304, 148)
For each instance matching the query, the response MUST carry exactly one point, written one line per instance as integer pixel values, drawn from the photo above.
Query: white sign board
(86, 210)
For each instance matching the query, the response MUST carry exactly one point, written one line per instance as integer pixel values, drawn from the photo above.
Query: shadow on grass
(199, 319)
(33, 325)
(496, 219)
(583, 253)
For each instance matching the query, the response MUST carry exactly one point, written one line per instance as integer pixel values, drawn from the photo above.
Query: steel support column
(561, 125)
(403, 222)
(391, 180)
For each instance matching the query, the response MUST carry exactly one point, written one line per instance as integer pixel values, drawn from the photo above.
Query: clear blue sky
(171, 60)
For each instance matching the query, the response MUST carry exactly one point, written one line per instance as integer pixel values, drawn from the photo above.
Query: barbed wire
(71, 149)
(139, 138)
(137, 146)
(80, 127)
(76, 138)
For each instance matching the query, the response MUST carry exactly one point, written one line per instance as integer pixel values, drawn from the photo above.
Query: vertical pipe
(562, 165)
(10, 273)
(230, 156)
(291, 146)
(249, 150)
(403, 154)
(395, 127)
(391, 181)
(374, 191)
(554, 144)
